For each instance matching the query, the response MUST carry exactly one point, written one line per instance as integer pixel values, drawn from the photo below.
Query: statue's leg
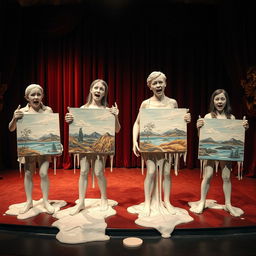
(43, 172)
(82, 184)
(227, 189)
(29, 168)
(102, 182)
(208, 173)
(149, 185)
(167, 187)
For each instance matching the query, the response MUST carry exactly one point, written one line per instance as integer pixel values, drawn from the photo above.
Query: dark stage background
(200, 46)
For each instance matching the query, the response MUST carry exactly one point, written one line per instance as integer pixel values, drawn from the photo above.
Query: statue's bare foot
(146, 210)
(234, 211)
(27, 206)
(77, 208)
(103, 204)
(198, 208)
(49, 208)
(170, 208)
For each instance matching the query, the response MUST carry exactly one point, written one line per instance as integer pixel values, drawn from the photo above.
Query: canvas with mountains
(163, 130)
(92, 131)
(38, 134)
(222, 139)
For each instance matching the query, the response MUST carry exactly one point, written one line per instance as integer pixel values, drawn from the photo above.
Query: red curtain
(122, 46)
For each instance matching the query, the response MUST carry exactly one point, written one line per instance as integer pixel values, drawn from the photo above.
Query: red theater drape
(65, 48)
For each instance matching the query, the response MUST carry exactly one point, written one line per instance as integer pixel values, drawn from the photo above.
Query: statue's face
(157, 86)
(34, 98)
(220, 102)
(98, 91)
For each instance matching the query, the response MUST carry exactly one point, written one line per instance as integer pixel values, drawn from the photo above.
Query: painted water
(156, 141)
(214, 152)
(42, 148)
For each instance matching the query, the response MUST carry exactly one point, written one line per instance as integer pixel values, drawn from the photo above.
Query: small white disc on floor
(132, 242)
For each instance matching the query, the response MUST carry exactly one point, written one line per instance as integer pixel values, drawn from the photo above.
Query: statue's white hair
(31, 87)
(154, 75)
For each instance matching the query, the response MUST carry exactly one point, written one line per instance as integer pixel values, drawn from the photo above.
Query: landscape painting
(163, 130)
(38, 134)
(92, 131)
(222, 139)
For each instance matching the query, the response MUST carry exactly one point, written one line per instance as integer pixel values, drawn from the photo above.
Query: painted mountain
(222, 139)
(38, 134)
(92, 131)
(163, 130)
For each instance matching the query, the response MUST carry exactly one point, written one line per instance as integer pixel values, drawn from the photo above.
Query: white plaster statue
(97, 98)
(219, 108)
(156, 82)
(34, 95)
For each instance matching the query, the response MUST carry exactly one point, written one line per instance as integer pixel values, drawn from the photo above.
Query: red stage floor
(126, 187)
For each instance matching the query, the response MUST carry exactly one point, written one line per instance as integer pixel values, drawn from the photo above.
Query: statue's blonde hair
(31, 87)
(153, 75)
